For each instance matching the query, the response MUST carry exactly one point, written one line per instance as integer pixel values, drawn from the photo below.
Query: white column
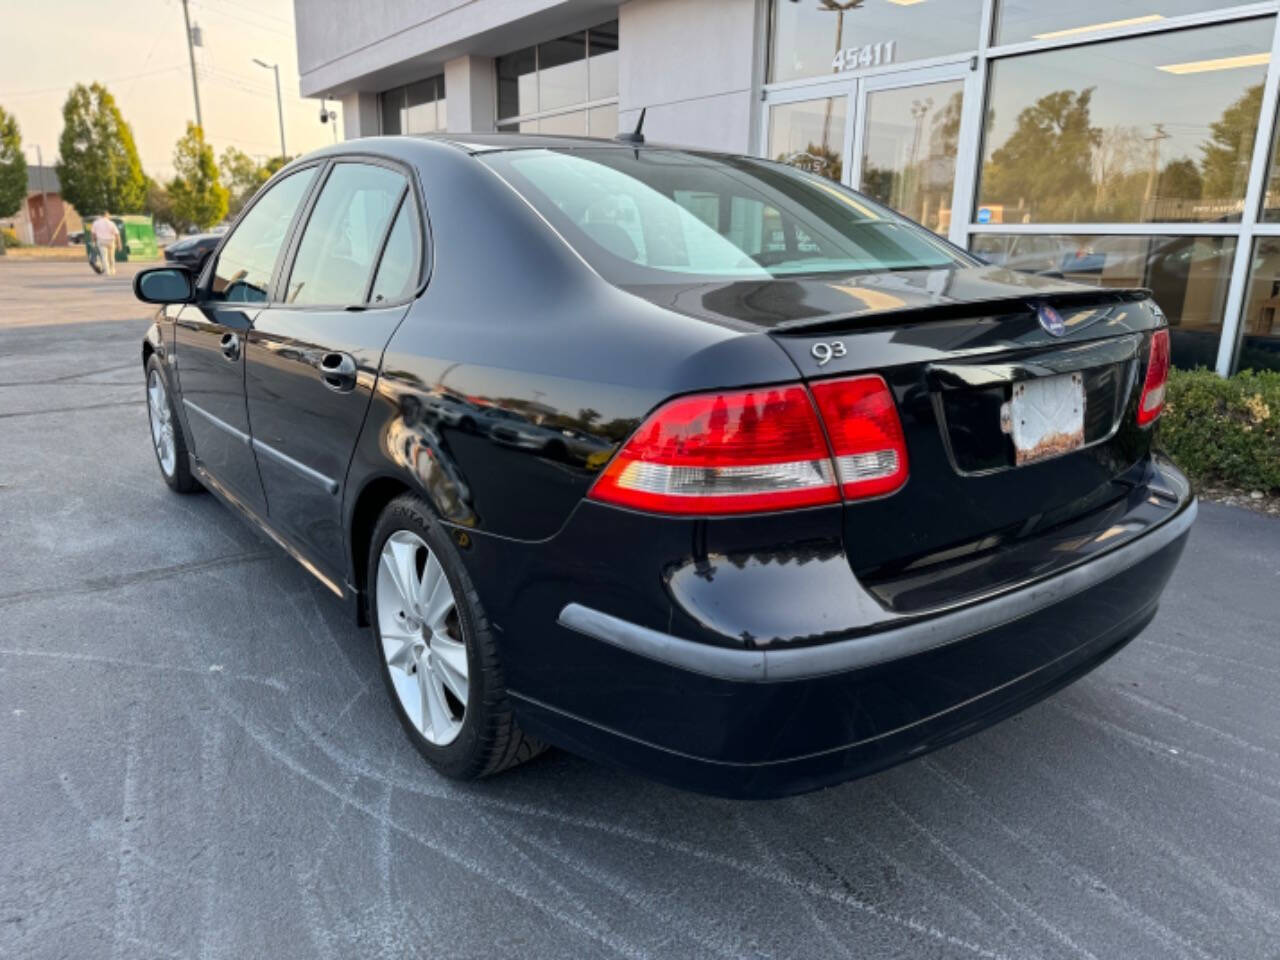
(359, 115)
(471, 95)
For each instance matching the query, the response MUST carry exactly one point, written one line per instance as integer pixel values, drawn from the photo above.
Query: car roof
(489, 142)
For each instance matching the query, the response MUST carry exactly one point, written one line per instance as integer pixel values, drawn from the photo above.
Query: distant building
(44, 218)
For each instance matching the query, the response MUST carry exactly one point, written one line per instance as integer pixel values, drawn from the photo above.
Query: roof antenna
(635, 136)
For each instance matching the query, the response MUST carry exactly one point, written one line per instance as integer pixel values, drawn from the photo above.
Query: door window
(344, 234)
(244, 268)
(398, 271)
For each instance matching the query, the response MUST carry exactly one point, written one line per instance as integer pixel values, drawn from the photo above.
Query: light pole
(275, 68)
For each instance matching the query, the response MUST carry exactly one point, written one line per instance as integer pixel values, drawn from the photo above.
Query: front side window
(1149, 129)
(661, 216)
(243, 271)
(344, 234)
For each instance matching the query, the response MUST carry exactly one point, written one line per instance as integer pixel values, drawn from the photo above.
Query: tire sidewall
(180, 480)
(459, 758)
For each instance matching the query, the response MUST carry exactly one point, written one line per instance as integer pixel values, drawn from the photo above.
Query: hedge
(1225, 432)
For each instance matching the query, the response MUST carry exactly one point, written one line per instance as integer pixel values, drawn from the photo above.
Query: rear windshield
(665, 216)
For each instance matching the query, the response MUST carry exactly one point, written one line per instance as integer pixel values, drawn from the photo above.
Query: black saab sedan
(691, 463)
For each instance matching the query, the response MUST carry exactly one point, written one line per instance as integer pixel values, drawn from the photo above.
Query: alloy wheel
(161, 423)
(422, 637)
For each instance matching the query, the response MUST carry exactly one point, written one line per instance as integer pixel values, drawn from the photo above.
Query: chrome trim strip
(892, 644)
(315, 476)
(216, 421)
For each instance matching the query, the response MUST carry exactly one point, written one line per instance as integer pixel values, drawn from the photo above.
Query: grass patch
(1224, 432)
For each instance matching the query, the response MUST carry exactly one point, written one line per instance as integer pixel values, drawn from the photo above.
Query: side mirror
(164, 285)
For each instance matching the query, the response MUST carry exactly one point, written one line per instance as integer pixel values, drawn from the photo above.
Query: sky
(137, 49)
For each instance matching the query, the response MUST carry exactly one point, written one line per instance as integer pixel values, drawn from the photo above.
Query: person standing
(106, 235)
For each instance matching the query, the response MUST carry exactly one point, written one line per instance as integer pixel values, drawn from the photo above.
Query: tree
(13, 166)
(98, 166)
(159, 204)
(1048, 158)
(199, 198)
(243, 176)
(1226, 154)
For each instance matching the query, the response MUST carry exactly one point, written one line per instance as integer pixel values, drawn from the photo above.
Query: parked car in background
(192, 252)
(692, 463)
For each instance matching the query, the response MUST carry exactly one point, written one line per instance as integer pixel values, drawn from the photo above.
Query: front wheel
(166, 432)
(435, 649)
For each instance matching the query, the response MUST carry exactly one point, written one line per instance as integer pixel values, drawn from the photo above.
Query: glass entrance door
(901, 137)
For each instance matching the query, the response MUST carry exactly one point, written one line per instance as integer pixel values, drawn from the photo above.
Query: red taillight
(1153, 390)
(866, 435)
(738, 452)
(757, 450)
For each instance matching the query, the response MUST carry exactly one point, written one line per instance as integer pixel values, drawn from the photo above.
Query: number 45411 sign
(868, 55)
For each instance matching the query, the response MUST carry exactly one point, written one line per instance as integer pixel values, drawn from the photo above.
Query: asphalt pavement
(197, 758)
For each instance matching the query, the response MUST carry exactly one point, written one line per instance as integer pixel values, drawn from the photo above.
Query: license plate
(1045, 417)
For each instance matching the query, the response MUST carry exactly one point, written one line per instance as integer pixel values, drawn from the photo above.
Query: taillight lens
(865, 433)
(1153, 390)
(752, 451)
(733, 452)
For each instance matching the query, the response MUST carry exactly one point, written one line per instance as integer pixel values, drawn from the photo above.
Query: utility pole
(275, 68)
(191, 53)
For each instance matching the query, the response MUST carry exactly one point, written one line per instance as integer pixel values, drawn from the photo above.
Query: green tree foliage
(199, 198)
(99, 167)
(13, 166)
(1229, 149)
(160, 204)
(242, 175)
(1047, 161)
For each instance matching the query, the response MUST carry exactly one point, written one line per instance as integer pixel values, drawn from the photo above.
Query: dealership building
(1118, 142)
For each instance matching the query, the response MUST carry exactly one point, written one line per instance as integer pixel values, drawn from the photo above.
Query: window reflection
(416, 108)
(909, 152)
(1188, 276)
(1018, 20)
(1260, 341)
(570, 71)
(1148, 129)
(809, 135)
(809, 34)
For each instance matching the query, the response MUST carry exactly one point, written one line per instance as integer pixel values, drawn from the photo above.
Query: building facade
(44, 217)
(1115, 142)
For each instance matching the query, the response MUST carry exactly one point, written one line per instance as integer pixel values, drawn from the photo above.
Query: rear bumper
(760, 723)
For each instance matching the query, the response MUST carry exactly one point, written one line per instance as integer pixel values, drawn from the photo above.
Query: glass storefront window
(603, 121)
(809, 135)
(909, 150)
(1018, 20)
(813, 38)
(536, 84)
(1260, 326)
(1152, 128)
(416, 108)
(1187, 275)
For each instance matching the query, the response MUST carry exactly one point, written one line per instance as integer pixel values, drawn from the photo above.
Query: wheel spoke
(398, 558)
(449, 658)
(432, 580)
(438, 606)
(401, 655)
(435, 714)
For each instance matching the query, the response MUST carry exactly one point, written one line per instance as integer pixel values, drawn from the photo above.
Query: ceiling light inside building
(1092, 27)
(1222, 63)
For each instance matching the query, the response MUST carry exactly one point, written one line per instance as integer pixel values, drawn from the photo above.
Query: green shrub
(1225, 431)
(8, 238)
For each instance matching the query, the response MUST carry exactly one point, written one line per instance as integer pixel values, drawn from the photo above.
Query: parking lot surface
(197, 758)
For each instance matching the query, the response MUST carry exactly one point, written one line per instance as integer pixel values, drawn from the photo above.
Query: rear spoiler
(961, 311)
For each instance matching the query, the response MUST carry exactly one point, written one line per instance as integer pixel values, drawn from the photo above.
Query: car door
(210, 337)
(313, 357)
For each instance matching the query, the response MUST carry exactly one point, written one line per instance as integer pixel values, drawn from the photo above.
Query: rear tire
(425, 616)
(167, 440)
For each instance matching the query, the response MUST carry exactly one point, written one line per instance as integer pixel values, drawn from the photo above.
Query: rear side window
(399, 268)
(344, 234)
(244, 268)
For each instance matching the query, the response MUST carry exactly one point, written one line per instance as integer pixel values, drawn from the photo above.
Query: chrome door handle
(230, 345)
(338, 371)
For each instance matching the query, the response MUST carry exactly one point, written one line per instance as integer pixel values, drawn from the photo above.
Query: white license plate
(1045, 417)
